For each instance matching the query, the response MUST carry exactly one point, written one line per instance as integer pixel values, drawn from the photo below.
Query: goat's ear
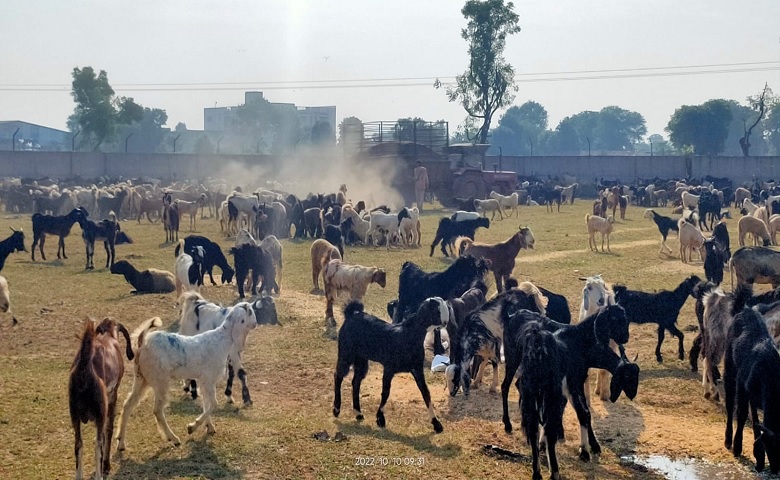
(585, 301)
(601, 328)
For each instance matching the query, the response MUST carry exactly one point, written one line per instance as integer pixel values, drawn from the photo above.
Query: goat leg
(77, 449)
(758, 444)
(229, 385)
(387, 379)
(661, 335)
(419, 378)
(360, 369)
(247, 399)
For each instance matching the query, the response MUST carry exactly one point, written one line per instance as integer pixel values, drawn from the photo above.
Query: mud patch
(689, 468)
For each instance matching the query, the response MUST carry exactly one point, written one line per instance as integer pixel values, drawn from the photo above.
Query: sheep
(105, 230)
(322, 252)
(187, 268)
(750, 380)
(489, 205)
(161, 356)
(253, 257)
(95, 377)
(756, 227)
(14, 243)
(198, 315)
(448, 230)
(664, 224)
(213, 256)
(755, 265)
(399, 348)
(146, 281)
(61, 225)
(338, 276)
(501, 255)
(507, 201)
(605, 226)
(690, 238)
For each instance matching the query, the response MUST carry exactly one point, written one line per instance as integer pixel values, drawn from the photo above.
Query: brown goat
(501, 255)
(94, 383)
(322, 252)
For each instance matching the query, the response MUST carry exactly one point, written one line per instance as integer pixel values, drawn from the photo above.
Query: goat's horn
(12, 229)
(635, 358)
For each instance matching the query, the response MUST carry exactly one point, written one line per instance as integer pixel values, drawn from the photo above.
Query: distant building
(32, 137)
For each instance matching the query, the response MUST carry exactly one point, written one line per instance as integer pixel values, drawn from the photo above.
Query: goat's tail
(187, 302)
(87, 339)
(143, 329)
(461, 244)
(179, 248)
(587, 217)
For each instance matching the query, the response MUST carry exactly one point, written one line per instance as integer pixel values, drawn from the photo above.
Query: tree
(488, 83)
(519, 129)
(758, 103)
(702, 127)
(322, 134)
(98, 112)
(772, 128)
(610, 129)
(181, 127)
(147, 134)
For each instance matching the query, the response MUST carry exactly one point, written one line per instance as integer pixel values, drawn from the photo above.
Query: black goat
(111, 204)
(104, 230)
(713, 262)
(750, 380)
(213, 257)
(662, 308)
(313, 222)
(697, 348)
(333, 235)
(53, 225)
(448, 231)
(720, 235)
(14, 243)
(664, 224)
(709, 206)
(541, 395)
(465, 204)
(398, 347)
(252, 257)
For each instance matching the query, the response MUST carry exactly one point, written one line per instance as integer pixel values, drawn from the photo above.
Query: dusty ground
(291, 370)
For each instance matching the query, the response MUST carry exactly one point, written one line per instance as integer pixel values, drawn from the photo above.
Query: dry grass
(291, 367)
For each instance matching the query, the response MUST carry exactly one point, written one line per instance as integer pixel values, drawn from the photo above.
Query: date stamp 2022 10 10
(388, 461)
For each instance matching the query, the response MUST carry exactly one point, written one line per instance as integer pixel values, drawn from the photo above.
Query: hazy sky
(232, 46)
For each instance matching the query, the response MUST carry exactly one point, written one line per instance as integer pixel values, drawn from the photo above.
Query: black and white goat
(213, 256)
(59, 225)
(187, 269)
(106, 231)
(664, 224)
(398, 347)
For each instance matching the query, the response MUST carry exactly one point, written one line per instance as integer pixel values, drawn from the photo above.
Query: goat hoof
(380, 421)
(584, 455)
(336, 412)
(595, 449)
(190, 428)
(682, 356)
(248, 403)
(508, 427)
(437, 427)
(176, 441)
(359, 417)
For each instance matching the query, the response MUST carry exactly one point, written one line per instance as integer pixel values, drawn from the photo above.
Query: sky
(183, 56)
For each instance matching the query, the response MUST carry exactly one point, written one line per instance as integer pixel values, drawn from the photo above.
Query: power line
(610, 74)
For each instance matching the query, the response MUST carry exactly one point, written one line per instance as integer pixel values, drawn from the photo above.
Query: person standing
(420, 184)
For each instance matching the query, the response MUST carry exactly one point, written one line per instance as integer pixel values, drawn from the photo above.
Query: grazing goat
(690, 238)
(664, 224)
(605, 226)
(449, 230)
(756, 265)
(212, 256)
(147, 281)
(105, 230)
(489, 205)
(756, 228)
(338, 276)
(60, 226)
(322, 252)
(252, 257)
(95, 376)
(187, 269)
(161, 356)
(507, 201)
(273, 246)
(398, 347)
(500, 255)
(198, 316)
(14, 243)
(750, 380)
(541, 393)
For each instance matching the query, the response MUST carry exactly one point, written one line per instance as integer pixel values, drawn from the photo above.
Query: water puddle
(693, 468)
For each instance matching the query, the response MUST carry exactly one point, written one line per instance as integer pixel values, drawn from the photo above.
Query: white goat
(161, 356)
(191, 209)
(756, 228)
(690, 238)
(749, 206)
(774, 226)
(605, 226)
(385, 221)
(689, 200)
(5, 295)
(409, 228)
(245, 205)
(187, 269)
(489, 205)
(762, 214)
(507, 201)
(460, 215)
(272, 245)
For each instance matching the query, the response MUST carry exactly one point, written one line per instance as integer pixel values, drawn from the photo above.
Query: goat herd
(527, 326)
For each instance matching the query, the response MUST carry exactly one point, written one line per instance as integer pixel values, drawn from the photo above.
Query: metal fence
(434, 135)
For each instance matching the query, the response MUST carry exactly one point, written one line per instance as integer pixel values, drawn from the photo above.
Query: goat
(605, 226)
(273, 246)
(171, 222)
(107, 204)
(198, 315)
(500, 255)
(690, 238)
(385, 221)
(95, 376)
(146, 281)
(187, 269)
(212, 256)
(322, 252)
(398, 347)
(461, 215)
(161, 356)
(774, 226)
(147, 206)
(14, 243)
(756, 228)
(713, 262)
(252, 257)
(507, 201)
(105, 230)
(756, 265)
(569, 193)
(449, 230)
(334, 237)
(338, 276)
(191, 208)
(489, 205)
(664, 224)
(60, 226)
(750, 380)
(312, 218)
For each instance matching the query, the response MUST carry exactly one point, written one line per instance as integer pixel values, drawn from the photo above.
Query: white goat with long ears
(597, 294)
(161, 356)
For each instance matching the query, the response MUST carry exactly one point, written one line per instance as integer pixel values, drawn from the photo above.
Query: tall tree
(147, 134)
(772, 128)
(98, 111)
(759, 104)
(702, 127)
(488, 83)
(322, 134)
(519, 129)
